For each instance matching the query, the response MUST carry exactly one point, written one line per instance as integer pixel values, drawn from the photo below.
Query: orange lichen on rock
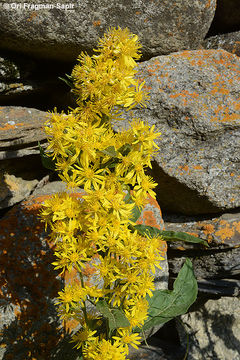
(149, 218)
(10, 126)
(225, 232)
(97, 23)
(28, 281)
(208, 229)
(217, 60)
(70, 325)
(221, 231)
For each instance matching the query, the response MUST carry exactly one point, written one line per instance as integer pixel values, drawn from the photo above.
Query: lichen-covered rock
(222, 232)
(20, 163)
(216, 267)
(20, 131)
(53, 31)
(229, 42)
(213, 330)
(14, 189)
(29, 324)
(195, 104)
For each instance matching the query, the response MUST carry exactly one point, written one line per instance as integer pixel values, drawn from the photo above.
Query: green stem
(84, 309)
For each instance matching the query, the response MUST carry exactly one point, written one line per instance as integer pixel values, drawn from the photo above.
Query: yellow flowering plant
(100, 230)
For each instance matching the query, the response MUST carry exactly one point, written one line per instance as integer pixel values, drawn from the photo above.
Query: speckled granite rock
(194, 103)
(213, 330)
(229, 42)
(29, 324)
(61, 33)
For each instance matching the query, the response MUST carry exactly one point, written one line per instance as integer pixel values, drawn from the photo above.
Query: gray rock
(61, 33)
(194, 103)
(221, 232)
(213, 330)
(216, 271)
(14, 189)
(229, 42)
(21, 129)
(11, 80)
(8, 70)
(20, 163)
(216, 267)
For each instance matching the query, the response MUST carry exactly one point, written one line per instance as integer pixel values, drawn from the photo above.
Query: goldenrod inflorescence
(99, 230)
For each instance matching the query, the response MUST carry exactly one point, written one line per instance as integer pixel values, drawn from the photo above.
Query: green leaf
(128, 198)
(169, 235)
(68, 80)
(164, 305)
(110, 151)
(115, 317)
(47, 162)
(136, 212)
(125, 149)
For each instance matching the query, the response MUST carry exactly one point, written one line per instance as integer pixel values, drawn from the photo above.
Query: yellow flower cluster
(100, 230)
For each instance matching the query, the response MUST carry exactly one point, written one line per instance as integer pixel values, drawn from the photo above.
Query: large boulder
(57, 32)
(194, 103)
(29, 325)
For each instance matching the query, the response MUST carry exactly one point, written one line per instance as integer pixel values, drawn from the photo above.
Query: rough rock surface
(14, 189)
(222, 232)
(217, 272)
(217, 267)
(21, 129)
(62, 33)
(8, 70)
(213, 330)
(11, 76)
(29, 324)
(194, 103)
(229, 42)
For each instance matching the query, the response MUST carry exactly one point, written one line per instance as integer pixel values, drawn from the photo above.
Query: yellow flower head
(95, 237)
